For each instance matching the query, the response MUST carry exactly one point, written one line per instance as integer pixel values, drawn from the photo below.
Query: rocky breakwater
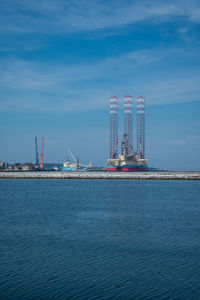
(193, 175)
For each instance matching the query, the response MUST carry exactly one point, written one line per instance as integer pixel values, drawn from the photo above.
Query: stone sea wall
(195, 175)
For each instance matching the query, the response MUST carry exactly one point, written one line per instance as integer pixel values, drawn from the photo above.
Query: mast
(36, 153)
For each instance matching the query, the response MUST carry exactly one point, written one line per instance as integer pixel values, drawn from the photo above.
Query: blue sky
(61, 60)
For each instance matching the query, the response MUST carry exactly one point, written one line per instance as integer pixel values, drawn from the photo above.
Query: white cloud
(43, 87)
(59, 16)
(146, 56)
(183, 141)
(27, 75)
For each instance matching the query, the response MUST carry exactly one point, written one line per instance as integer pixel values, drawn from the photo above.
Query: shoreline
(193, 175)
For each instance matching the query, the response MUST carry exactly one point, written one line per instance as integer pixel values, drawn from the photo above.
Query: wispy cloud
(59, 16)
(146, 56)
(183, 141)
(37, 86)
(30, 75)
(20, 46)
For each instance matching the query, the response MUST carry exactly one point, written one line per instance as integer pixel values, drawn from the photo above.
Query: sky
(61, 60)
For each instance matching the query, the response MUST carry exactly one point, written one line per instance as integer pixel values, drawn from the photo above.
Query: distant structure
(42, 154)
(141, 126)
(113, 126)
(36, 153)
(129, 160)
(128, 122)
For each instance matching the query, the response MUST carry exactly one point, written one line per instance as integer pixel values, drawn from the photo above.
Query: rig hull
(127, 163)
(127, 169)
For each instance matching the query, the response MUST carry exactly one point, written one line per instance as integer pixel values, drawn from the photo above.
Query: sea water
(99, 239)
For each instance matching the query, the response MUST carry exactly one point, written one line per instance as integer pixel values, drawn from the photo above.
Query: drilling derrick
(128, 122)
(113, 127)
(141, 126)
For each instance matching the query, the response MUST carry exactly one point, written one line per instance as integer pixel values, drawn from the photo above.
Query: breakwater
(195, 175)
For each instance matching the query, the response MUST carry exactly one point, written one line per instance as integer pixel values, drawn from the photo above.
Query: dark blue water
(96, 239)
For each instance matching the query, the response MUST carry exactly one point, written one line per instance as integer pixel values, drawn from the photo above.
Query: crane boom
(72, 155)
(42, 154)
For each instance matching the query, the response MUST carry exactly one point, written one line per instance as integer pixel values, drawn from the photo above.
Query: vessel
(75, 165)
(127, 162)
(68, 166)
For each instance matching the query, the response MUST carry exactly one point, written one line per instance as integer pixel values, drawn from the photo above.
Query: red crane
(42, 154)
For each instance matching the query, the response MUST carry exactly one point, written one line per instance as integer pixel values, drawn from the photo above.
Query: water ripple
(99, 240)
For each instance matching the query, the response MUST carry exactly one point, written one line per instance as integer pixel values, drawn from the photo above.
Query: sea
(99, 239)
